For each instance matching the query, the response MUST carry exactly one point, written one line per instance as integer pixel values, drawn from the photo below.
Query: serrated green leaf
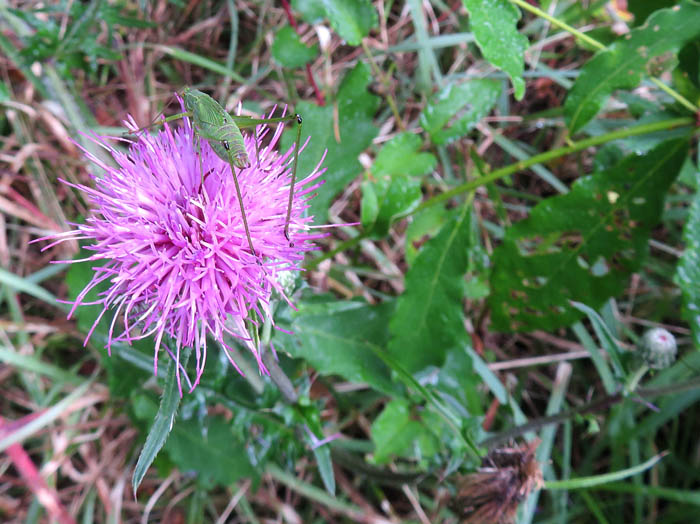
(582, 245)
(688, 271)
(400, 429)
(356, 108)
(163, 423)
(215, 453)
(290, 51)
(392, 191)
(351, 19)
(495, 27)
(624, 63)
(344, 341)
(456, 109)
(429, 318)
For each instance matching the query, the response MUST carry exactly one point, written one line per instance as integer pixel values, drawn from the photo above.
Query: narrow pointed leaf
(162, 425)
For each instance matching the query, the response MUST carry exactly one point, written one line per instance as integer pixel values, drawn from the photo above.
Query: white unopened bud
(658, 348)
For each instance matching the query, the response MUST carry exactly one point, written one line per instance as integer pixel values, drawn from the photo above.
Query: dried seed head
(492, 494)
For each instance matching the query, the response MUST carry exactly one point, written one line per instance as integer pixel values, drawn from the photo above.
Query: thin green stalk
(513, 168)
(675, 95)
(387, 86)
(551, 155)
(587, 482)
(313, 493)
(554, 21)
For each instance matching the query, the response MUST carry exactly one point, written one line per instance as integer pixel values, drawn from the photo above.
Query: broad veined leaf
(290, 51)
(688, 271)
(344, 341)
(583, 245)
(429, 318)
(623, 64)
(393, 189)
(494, 24)
(456, 109)
(402, 429)
(215, 454)
(356, 108)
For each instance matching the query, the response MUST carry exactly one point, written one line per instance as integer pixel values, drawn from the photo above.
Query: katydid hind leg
(240, 200)
(293, 181)
(257, 145)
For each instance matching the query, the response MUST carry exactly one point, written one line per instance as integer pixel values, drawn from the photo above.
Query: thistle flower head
(168, 223)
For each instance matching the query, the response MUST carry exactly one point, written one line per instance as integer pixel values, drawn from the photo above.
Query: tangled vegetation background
(512, 187)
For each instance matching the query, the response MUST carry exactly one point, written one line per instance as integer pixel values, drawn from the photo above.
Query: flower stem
(600, 404)
(278, 376)
(551, 155)
(512, 168)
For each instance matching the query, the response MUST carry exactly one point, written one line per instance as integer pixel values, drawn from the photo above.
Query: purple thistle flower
(168, 222)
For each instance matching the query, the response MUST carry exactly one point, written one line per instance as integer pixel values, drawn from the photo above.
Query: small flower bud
(658, 348)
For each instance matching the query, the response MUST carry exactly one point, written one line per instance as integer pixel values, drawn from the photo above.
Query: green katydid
(223, 133)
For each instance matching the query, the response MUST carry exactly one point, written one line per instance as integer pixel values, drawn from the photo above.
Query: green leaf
(290, 51)
(456, 109)
(429, 318)
(641, 9)
(688, 271)
(392, 191)
(605, 338)
(400, 429)
(494, 24)
(352, 19)
(583, 245)
(310, 415)
(343, 339)
(162, 425)
(623, 64)
(424, 225)
(400, 156)
(215, 453)
(312, 11)
(356, 108)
